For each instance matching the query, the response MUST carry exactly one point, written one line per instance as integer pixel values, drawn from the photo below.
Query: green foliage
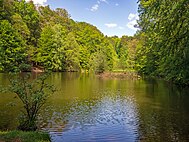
(71, 53)
(166, 46)
(49, 38)
(115, 42)
(88, 36)
(33, 94)
(35, 36)
(6, 9)
(123, 58)
(141, 55)
(84, 58)
(131, 59)
(30, 16)
(19, 25)
(109, 53)
(12, 48)
(98, 62)
(52, 17)
(49, 53)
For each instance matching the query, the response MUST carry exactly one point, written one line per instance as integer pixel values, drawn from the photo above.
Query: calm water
(87, 108)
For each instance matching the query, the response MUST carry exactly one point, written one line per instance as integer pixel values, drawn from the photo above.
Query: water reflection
(110, 117)
(86, 108)
(165, 114)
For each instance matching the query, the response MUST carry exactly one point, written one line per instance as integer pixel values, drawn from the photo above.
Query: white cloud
(132, 21)
(133, 16)
(111, 25)
(95, 7)
(121, 28)
(104, 1)
(132, 24)
(40, 2)
(116, 4)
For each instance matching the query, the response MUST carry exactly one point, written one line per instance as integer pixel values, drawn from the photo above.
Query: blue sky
(111, 17)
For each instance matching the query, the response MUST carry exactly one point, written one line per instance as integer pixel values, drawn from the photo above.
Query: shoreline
(119, 75)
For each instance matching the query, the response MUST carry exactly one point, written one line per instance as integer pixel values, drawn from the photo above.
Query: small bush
(33, 93)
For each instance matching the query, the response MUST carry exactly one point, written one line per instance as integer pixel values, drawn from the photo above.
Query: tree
(30, 16)
(33, 95)
(6, 9)
(49, 38)
(123, 58)
(109, 54)
(88, 36)
(131, 51)
(21, 27)
(50, 52)
(71, 53)
(98, 62)
(84, 57)
(12, 48)
(44, 52)
(166, 46)
(115, 42)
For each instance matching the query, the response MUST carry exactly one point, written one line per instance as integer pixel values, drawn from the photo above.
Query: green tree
(33, 93)
(12, 48)
(123, 58)
(109, 53)
(50, 52)
(30, 16)
(21, 27)
(84, 57)
(131, 58)
(46, 45)
(166, 46)
(6, 9)
(88, 36)
(115, 42)
(98, 62)
(71, 53)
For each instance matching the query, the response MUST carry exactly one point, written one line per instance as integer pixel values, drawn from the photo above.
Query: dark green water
(87, 108)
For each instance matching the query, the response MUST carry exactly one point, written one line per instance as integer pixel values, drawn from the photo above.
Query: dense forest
(165, 31)
(37, 36)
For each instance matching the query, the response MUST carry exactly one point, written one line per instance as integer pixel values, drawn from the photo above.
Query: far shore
(115, 74)
(119, 75)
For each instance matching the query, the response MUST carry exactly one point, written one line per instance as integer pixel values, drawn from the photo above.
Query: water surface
(88, 108)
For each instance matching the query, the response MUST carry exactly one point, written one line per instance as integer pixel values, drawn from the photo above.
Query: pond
(89, 108)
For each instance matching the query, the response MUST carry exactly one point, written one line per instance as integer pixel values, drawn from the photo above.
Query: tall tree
(30, 16)
(19, 25)
(71, 53)
(12, 48)
(166, 25)
(51, 47)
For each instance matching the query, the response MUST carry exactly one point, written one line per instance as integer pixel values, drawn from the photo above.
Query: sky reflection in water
(87, 108)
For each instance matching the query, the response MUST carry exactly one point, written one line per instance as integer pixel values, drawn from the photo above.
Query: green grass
(20, 136)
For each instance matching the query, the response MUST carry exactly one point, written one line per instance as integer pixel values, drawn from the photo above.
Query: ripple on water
(110, 117)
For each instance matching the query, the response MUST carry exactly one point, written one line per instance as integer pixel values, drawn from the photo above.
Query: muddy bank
(122, 75)
(37, 69)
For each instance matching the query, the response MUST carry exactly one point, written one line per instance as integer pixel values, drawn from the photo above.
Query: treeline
(39, 36)
(165, 31)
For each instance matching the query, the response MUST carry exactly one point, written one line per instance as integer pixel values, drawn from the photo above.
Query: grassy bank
(20, 136)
